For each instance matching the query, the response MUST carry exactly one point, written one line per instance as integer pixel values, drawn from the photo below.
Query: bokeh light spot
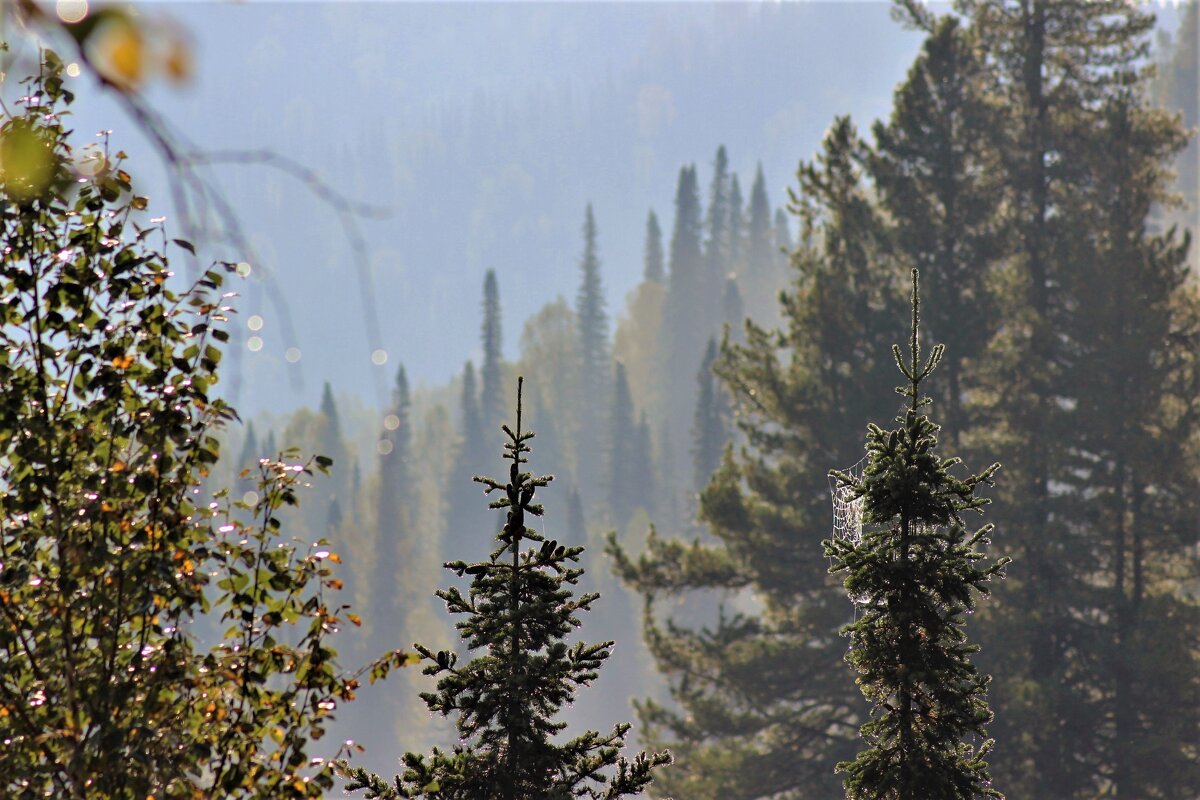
(379, 358)
(244, 269)
(391, 422)
(384, 447)
(255, 323)
(255, 343)
(70, 12)
(292, 355)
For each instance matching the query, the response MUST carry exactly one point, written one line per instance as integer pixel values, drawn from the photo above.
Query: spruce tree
(685, 327)
(717, 238)
(594, 352)
(737, 228)
(491, 397)
(464, 517)
(709, 422)
(642, 468)
(761, 274)
(517, 614)
(914, 574)
(652, 258)
(394, 499)
(331, 443)
(622, 450)
(247, 461)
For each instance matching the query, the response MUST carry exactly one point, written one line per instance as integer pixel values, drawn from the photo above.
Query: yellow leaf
(118, 50)
(118, 466)
(335, 558)
(355, 618)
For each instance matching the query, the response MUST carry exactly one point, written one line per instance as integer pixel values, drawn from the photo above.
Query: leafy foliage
(112, 682)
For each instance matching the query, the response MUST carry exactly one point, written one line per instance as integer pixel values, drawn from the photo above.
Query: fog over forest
(694, 232)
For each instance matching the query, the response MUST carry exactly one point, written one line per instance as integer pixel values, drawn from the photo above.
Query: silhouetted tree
(653, 269)
(519, 610)
(593, 351)
(491, 399)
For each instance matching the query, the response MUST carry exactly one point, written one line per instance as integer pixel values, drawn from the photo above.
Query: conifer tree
(331, 443)
(464, 516)
(517, 614)
(733, 310)
(937, 179)
(761, 274)
(653, 269)
(686, 328)
(491, 397)
(759, 706)
(717, 239)
(1077, 140)
(594, 352)
(622, 451)
(709, 422)
(642, 468)
(914, 571)
(737, 228)
(247, 461)
(394, 500)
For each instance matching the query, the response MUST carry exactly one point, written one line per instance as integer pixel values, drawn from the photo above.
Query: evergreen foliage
(518, 611)
(914, 575)
(757, 708)
(491, 397)
(653, 269)
(710, 431)
(594, 353)
(623, 446)
(464, 517)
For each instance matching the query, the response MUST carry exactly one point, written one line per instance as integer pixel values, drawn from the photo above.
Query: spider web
(847, 509)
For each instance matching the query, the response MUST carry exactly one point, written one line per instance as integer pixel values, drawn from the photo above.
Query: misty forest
(483, 401)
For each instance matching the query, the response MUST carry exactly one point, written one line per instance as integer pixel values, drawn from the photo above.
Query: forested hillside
(699, 340)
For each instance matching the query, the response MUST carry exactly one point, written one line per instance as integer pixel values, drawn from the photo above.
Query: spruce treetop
(516, 615)
(914, 573)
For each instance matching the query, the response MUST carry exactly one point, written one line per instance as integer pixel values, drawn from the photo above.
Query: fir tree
(518, 611)
(622, 444)
(593, 348)
(709, 424)
(653, 253)
(464, 516)
(737, 228)
(641, 468)
(247, 462)
(331, 444)
(761, 275)
(394, 500)
(686, 327)
(491, 398)
(717, 238)
(733, 310)
(914, 574)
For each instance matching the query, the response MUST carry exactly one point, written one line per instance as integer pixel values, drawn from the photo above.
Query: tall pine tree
(517, 614)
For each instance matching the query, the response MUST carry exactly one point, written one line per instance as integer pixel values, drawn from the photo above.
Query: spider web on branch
(847, 509)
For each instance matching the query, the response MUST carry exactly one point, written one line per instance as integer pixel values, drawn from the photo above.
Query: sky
(479, 132)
